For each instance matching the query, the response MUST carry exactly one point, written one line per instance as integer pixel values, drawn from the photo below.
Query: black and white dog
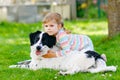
(77, 61)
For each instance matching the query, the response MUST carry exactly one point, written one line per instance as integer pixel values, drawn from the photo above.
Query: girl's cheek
(44, 29)
(56, 27)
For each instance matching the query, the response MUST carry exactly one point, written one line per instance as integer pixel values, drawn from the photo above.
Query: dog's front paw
(63, 73)
(33, 65)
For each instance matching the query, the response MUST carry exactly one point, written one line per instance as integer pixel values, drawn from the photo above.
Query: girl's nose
(48, 27)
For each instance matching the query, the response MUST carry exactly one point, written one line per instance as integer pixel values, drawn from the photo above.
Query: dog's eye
(43, 40)
(37, 39)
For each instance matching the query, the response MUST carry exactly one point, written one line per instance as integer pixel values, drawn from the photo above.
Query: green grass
(14, 47)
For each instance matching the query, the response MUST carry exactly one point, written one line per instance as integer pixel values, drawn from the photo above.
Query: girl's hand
(68, 32)
(50, 54)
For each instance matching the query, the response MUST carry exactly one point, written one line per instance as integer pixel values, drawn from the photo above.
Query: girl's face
(51, 27)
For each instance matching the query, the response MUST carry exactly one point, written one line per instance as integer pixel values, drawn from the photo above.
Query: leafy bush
(90, 11)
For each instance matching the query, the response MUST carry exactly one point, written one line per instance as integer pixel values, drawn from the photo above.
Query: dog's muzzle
(38, 50)
(38, 47)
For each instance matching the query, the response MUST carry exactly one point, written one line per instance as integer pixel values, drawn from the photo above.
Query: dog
(76, 61)
(37, 39)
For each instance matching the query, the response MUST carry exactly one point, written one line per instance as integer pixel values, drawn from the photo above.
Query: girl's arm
(64, 43)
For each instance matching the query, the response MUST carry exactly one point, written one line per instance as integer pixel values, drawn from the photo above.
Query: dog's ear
(52, 40)
(34, 37)
(48, 40)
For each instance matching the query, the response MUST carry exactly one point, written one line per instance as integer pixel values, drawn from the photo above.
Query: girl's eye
(45, 25)
(51, 25)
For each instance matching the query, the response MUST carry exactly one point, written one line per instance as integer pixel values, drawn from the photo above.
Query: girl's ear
(60, 26)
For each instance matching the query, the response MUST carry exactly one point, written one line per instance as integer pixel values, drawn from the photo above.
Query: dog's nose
(38, 47)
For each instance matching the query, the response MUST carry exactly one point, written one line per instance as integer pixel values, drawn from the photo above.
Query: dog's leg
(26, 62)
(70, 71)
(100, 63)
(101, 67)
(34, 64)
(67, 72)
(19, 66)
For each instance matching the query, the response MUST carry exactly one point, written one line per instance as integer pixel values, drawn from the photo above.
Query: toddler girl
(53, 25)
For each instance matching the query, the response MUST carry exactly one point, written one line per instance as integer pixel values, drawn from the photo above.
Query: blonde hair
(53, 16)
(57, 17)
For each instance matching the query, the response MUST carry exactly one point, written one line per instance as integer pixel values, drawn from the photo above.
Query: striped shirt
(70, 42)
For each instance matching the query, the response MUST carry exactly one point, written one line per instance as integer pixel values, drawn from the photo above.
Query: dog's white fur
(72, 63)
(76, 61)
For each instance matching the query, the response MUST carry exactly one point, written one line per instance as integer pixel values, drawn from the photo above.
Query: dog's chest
(60, 63)
(53, 63)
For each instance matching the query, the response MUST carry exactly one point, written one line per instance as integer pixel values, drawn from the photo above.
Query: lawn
(15, 46)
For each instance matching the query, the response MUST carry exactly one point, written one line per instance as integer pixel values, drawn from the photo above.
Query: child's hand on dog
(50, 54)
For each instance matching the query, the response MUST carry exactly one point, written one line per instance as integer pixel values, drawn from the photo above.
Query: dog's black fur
(93, 54)
(47, 40)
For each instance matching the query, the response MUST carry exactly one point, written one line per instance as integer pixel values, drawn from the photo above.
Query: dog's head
(41, 42)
